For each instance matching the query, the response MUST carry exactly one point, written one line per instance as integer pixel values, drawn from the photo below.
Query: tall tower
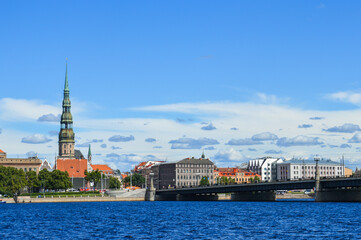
(66, 135)
(89, 155)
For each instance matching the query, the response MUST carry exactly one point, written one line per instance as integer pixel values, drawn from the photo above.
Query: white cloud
(150, 140)
(345, 145)
(305, 126)
(265, 136)
(22, 109)
(272, 151)
(49, 118)
(348, 97)
(355, 138)
(82, 145)
(298, 141)
(209, 127)
(241, 142)
(118, 138)
(190, 143)
(229, 156)
(35, 139)
(346, 128)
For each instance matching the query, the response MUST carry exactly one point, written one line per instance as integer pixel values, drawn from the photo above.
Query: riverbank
(74, 199)
(135, 196)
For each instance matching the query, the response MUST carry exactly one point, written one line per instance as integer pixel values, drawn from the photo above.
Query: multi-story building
(236, 174)
(105, 169)
(306, 169)
(246, 176)
(144, 169)
(187, 172)
(229, 173)
(26, 164)
(265, 167)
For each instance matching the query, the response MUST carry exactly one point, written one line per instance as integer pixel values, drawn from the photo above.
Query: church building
(69, 159)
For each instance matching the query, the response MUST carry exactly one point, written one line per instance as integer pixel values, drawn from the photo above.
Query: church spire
(66, 135)
(66, 86)
(89, 155)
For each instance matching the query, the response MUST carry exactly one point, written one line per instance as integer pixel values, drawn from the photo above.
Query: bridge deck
(266, 186)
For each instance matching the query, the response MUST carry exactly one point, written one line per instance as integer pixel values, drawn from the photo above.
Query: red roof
(101, 167)
(1, 150)
(75, 167)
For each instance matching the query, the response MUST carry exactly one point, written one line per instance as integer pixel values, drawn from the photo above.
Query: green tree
(31, 180)
(257, 179)
(225, 180)
(93, 176)
(60, 180)
(12, 180)
(114, 182)
(45, 179)
(204, 181)
(137, 180)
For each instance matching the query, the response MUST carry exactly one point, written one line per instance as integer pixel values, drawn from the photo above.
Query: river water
(181, 220)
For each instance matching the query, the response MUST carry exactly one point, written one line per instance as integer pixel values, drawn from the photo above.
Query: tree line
(13, 181)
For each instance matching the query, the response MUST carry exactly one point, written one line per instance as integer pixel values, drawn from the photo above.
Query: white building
(306, 169)
(46, 165)
(266, 167)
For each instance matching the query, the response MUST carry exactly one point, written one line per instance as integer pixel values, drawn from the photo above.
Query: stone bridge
(334, 190)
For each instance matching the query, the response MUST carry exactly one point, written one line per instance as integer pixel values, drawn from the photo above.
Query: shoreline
(222, 197)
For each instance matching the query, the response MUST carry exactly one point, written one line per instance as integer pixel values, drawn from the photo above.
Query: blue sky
(183, 73)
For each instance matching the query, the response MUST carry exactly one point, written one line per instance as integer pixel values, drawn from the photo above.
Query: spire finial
(66, 87)
(203, 156)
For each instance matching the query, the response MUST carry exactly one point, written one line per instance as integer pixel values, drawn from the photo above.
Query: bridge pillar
(197, 197)
(150, 193)
(254, 196)
(338, 195)
(172, 197)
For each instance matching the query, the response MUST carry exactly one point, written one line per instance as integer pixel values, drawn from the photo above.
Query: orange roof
(75, 167)
(101, 167)
(228, 170)
(1, 150)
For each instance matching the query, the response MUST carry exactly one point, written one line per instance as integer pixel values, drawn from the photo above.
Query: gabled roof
(101, 167)
(78, 154)
(75, 167)
(1, 151)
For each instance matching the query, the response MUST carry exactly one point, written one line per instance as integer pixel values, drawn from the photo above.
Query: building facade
(246, 176)
(46, 165)
(237, 175)
(306, 169)
(26, 164)
(185, 173)
(265, 167)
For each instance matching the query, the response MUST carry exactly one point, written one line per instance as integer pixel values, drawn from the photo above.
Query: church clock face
(65, 134)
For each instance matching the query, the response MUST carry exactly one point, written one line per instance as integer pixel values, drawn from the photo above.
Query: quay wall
(74, 199)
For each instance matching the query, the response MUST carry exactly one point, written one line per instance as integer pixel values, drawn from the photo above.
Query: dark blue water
(181, 220)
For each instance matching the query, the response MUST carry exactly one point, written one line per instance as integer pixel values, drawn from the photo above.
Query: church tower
(66, 135)
(89, 155)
